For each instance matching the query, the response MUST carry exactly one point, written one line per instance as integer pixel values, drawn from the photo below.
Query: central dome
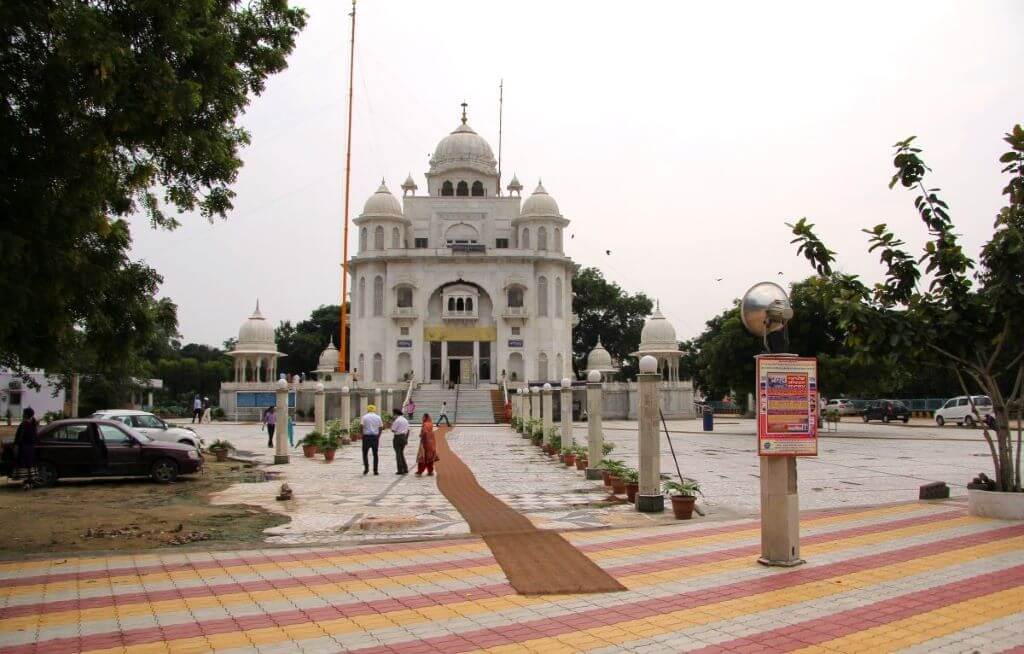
(256, 333)
(382, 203)
(463, 148)
(658, 334)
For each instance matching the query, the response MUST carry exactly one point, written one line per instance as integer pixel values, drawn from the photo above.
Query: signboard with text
(787, 416)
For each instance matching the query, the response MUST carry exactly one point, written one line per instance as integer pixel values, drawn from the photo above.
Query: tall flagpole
(501, 106)
(342, 341)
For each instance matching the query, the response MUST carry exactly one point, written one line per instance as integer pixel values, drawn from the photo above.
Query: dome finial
(464, 105)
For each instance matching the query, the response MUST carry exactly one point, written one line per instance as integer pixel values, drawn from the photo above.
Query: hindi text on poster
(787, 397)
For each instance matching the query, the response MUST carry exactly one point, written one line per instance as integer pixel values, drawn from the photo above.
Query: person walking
(270, 420)
(25, 448)
(410, 408)
(400, 427)
(427, 454)
(197, 409)
(207, 410)
(291, 431)
(443, 415)
(371, 425)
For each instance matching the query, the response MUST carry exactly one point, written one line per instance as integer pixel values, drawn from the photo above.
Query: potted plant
(683, 495)
(220, 449)
(355, 430)
(310, 442)
(610, 469)
(328, 445)
(569, 456)
(632, 478)
(554, 445)
(607, 447)
(581, 458)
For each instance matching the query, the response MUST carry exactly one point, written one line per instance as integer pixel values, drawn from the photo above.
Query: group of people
(201, 409)
(372, 425)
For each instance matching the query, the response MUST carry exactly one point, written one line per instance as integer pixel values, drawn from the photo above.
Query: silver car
(152, 426)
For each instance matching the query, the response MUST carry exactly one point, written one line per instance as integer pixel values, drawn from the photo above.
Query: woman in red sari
(427, 454)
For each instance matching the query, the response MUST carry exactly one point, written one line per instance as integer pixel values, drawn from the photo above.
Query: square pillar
(281, 435)
(566, 405)
(649, 498)
(547, 411)
(595, 438)
(780, 512)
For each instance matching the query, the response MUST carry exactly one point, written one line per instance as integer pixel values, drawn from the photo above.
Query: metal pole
(343, 346)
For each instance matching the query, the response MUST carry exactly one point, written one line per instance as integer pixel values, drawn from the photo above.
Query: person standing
(197, 409)
(400, 427)
(410, 408)
(270, 420)
(443, 415)
(427, 454)
(207, 409)
(371, 425)
(25, 447)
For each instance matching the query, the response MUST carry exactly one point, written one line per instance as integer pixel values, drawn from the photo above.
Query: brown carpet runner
(536, 561)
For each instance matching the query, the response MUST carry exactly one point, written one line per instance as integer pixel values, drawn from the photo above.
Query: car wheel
(164, 471)
(46, 474)
(885, 419)
(865, 416)
(906, 419)
(969, 421)
(939, 420)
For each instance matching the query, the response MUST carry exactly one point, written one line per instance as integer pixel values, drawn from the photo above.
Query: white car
(958, 410)
(842, 407)
(152, 426)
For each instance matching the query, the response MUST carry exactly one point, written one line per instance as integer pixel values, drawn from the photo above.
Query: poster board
(787, 397)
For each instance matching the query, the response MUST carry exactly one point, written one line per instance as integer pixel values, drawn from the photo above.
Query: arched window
(396, 239)
(446, 189)
(542, 367)
(378, 296)
(362, 240)
(460, 305)
(525, 241)
(515, 296)
(542, 238)
(542, 296)
(451, 304)
(378, 238)
(378, 367)
(558, 297)
(462, 189)
(362, 297)
(478, 188)
(404, 296)
(469, 304)
(558, 239)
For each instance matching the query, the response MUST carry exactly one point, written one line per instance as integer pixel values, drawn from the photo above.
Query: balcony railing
(455, 314)
(514, 313)
(404, 313)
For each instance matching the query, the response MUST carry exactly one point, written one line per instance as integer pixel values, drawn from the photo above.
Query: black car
(886, 411)
(103, 448)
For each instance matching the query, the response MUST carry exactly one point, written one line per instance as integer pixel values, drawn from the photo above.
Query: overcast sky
(679, 135)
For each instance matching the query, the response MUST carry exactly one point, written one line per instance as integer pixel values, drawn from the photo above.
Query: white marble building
(463, 283)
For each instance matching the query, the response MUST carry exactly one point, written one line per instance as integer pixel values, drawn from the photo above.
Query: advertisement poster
(787, 417)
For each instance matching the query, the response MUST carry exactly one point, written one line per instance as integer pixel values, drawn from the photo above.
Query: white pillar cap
(648, 364)
(344, 389)
(594, 376)
(547, 386)
(319, 387)
(566, 382)
(534, 390)
(282, 384)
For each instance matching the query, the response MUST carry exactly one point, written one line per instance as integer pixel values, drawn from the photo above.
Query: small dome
(599, 358)
(514, 185)
(256, 331)
(409, 184)
(658, 334)
(463, 148)
(329, 357)
(540, 203)
(382, 203)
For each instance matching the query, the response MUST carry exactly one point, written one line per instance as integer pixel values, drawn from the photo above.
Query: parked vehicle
(886, 411)
(842, 407)
(958, 410)
(150, 425)
(86, 447)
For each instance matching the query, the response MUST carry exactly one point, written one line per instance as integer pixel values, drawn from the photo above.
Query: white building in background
(16, 395)
(462, 284)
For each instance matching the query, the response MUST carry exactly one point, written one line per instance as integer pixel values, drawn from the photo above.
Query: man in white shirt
(371, 425)
(443, 415)
(400, 427)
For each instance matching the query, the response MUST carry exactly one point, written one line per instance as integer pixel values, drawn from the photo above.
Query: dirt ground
(130, 514)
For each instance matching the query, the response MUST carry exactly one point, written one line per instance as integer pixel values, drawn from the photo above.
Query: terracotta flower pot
(569, 459)
(357, 437)
(682, 506)
(631, 491)
(222, 455)
(328, 455)
(618, 486)
(606, 477)
(309, 451)
(581, 464)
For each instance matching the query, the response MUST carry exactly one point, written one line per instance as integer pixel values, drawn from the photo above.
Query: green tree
(304, 341)
(113, 108)
(970, 322)
(606, 311)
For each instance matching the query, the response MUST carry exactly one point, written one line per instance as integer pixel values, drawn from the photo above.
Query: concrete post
(547, 411)
(320, 408)
(534, 403)
(364, 401)
(281, 435)
(524, 409)
(379, 401)
(595, 439)
(75, 379)
(346, 407)
(566, 402)
(649, 498)
(149, 400)
(780, 512)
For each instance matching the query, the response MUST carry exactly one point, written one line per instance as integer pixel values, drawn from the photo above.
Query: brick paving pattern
(914, 577)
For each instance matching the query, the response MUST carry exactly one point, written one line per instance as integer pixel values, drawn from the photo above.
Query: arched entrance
(515, 367)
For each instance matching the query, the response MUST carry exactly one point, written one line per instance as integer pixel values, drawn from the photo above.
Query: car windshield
(982, 401)
(146, 420)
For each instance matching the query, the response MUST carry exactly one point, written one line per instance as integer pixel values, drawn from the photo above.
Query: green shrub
(684, 488)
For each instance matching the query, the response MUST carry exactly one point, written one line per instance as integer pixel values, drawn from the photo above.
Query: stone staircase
(475, 405)
(428, 400)
(498, 406)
